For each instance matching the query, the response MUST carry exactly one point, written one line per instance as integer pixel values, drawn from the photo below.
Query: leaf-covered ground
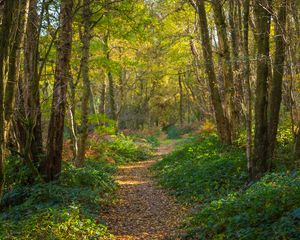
(143, 210)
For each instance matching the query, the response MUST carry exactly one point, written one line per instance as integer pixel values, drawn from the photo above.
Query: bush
(269, 209)
(123, 149)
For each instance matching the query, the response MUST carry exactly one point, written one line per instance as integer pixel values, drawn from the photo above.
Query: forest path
(143, 210)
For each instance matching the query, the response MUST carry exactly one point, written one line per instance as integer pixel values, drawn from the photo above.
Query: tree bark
(86, 37)
(262, 13)
(4, 46)
(248, 93)
(51, 167)
(31, 85)
(223, 125)
(111, 84)
(102, 98)
(229, 95)
(180, 99)
(276, 83)
(14, 63)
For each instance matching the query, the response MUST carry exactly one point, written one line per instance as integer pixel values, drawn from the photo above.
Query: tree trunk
(4, 46)
(31, 85)
(223, 125)
(111, 85)
(297, 146)
(86, 37)
(248, 94)
(263, 17)
(180, 99)
(229, 95)
(51, 167)
(14, 64)
(102, 98)
(276, 83)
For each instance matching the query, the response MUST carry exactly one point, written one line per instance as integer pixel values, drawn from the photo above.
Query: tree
(85, 39)
(4, 47)
(222, 121)
(275, 94)
(248, 93)
(33, 147)
(229, 104)
(51, 166)
(262, 11)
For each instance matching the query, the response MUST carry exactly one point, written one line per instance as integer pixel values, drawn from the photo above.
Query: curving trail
(143, 210)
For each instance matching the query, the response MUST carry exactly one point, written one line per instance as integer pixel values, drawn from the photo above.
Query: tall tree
(262, 11)
(229, 104)
(248, 93)
(32, 118)
(4, 46)
(275, 95)
(20, 18)
(222, 121)
(85, 39)
(51, 166)
(111, 83)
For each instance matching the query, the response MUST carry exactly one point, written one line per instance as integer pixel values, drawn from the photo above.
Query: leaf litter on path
(143, 210)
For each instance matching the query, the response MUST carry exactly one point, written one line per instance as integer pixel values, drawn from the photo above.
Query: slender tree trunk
(262, 13)
(86, 13)
(223, 125)
(111, 84)
(180, 99)
(235, 19)
(276, 83)
(72, 112)
(102, 98)
(14, 63)
(51, 167)
(229, 90)
(248, 93)
(31, 85)
(297, 146)
(4, 46)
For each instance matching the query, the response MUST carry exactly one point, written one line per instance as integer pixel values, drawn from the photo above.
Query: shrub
(123, 149)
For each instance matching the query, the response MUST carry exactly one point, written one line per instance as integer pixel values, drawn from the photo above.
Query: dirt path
(144, 210)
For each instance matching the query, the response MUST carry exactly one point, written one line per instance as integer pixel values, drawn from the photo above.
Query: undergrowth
(70, 207)
(123, 149)
(213, 179)
(65, 209)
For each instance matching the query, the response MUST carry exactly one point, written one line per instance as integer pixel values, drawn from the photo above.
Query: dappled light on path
(143, 210)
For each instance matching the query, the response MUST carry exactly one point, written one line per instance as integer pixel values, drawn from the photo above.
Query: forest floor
(143, 210)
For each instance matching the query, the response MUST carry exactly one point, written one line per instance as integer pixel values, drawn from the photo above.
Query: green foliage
(213, 178)
(203, 170)
(65, 223)
(269, 209)
(123, 149)
(66, 209)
